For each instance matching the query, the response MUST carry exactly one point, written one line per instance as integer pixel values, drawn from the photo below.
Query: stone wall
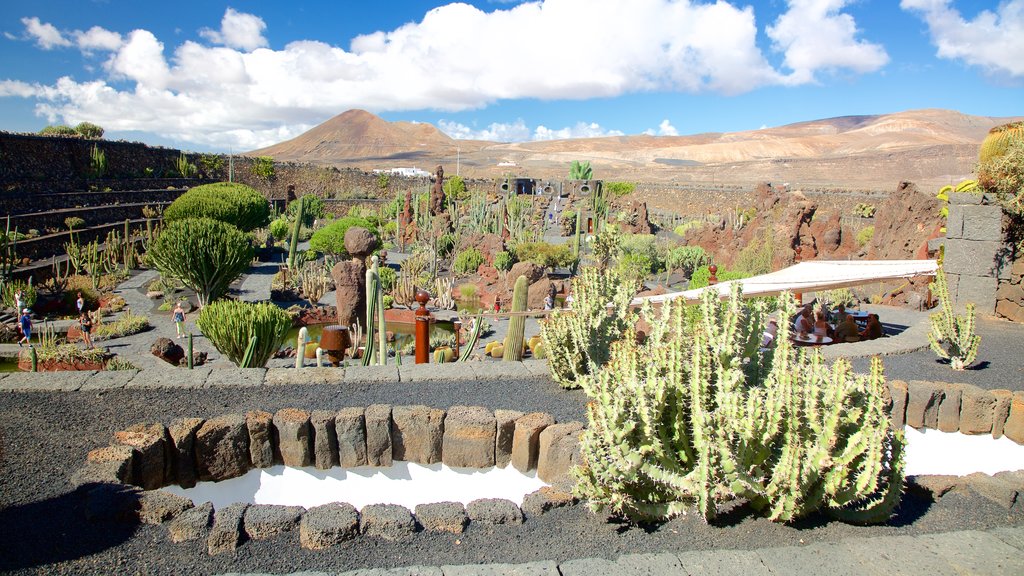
(976, 256)
(150, 456)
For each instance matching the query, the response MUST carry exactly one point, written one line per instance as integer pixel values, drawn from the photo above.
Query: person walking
(25, 323)
(85, 322)
(80, 304)
(179, 320)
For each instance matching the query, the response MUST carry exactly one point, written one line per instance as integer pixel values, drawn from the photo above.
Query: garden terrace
(92, 215)
(25, 203)
(41, 249)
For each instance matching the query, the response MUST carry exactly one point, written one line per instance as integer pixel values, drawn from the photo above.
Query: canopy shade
(812, 276)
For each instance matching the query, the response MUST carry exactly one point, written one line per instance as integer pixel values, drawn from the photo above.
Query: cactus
(443, 293)
(8, 252)
(952, 336)
(319, 357)
(33, 357)
(206, 255)
(578, 341)
(250, 350)
(688, 418)
(191, 356)
(293, 245)
(376, 349)
(517, 323)
(474, 338)
(999, 140)
(230, 323)
(300, 346)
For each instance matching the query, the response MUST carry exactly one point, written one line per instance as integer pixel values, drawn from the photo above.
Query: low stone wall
(951, 407)
(188, 450)
(24, 203)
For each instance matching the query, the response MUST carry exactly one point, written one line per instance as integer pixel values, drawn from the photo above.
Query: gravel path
(45, 437)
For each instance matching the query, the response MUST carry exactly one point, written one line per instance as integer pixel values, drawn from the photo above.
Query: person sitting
(847, 329)
(841, 314)
(821, 327)
(770, 331)
(873, 329)
(804, 322)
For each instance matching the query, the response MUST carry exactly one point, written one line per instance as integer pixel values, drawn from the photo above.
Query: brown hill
(928, 146)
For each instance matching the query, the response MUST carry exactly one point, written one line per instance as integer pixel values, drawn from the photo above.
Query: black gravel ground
(44, 438)
(1000, 362)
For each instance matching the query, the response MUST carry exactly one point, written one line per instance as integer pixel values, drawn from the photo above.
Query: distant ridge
(857, 151)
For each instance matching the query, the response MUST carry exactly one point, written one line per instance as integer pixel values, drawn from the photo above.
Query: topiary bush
(467, 261)
(230, 325)
(331, 238)
(233, 203)
(58, 130)
(279, 228)
(206, 255)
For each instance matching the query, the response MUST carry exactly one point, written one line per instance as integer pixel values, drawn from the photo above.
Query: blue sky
(210, 75)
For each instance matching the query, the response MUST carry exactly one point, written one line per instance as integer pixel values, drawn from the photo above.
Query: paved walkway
(995, 552)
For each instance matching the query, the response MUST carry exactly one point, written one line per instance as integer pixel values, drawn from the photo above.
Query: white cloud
(580, 130)
(97, 38)
(992, 40)
(815, 35)
(18, 88)
(238, 30)
(667, 129)
(46, 35)
(518, 131)
(238, 91)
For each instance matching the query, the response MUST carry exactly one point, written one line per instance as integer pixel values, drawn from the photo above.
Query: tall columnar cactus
(294, 244)
(578, 341)
(695, 416)
(576, 242)
(300, 347)
(376, 347)
(474, 338)
(517, 323)
(231, 324)
(952, 336)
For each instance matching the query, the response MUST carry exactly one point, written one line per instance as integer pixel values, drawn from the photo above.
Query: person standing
(85, 322)
(25, 322)
(17, 301)
(179, 320)
(80, 304)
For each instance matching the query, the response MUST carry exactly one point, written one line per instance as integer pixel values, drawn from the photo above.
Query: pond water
(404, 483)
(403, 332)
(8, 364)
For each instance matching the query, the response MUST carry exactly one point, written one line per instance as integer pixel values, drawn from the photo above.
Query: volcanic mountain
(927, 146)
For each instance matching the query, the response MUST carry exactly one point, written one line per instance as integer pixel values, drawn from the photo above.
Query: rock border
(148, 456)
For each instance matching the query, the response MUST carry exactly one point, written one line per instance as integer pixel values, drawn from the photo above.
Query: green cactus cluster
(697, 416)
(952, 336)
(376, 348)
(296, 227)
(999, 140)
(578, 341)
(247, 333)
(517, 323)
(206, 255)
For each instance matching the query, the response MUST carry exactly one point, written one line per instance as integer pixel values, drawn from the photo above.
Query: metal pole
(422, 331)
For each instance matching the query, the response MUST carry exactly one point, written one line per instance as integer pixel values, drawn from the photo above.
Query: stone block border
(963, 408)
(147, 456)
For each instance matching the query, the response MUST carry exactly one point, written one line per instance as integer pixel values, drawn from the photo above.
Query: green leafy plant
(212, 165)
(263, 168)
(74, 222)
(503, 261)
(696, 417)
(619, 188)
(383, 180)
(580, 170)
(865, 235)
(468, 291)
(126, 325)
(313, 210)
(331, 238)
(279, 228)
(579, 340)
(11, 287)
(1003, 175)
(455, 189)
(118, 363)
(755, 258)
(97, 162)
(544, 254)
(206, 255)
(686, 259)
(467, 261)
(185, 168)
(58, 130)
(229, 202)
(952, 336)
(236, 327)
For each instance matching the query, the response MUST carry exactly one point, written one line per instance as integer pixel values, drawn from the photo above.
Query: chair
(853, 338)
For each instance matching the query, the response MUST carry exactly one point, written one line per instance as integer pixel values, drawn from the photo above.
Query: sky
(206, 75)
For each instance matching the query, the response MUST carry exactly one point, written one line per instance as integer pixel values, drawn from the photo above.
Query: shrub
(445, 244)
(455, 189)
(211, 165)
(118, 363)
(28, 294)
(685, 227)
(695, 416)
(279, 228)
(58, 130)
(467, 261)
(619, 188)
(1004, 176)
(313, 210)
(263, 168)
(126, 325)
(544, 254)
(233, 203)
(686, 259)
(468, 291)
(755, 258)
(331, 238)
(205, 254)
(634, 268)
(702, 276)
(503, 261)
(642, 244)
(230, 324)
(578, 341)
(388, 278)
(89, 130)
(865, 235)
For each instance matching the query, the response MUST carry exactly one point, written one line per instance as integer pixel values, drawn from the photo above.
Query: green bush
(279, 228)
(864, 210)
(641, 244)
(233, 203)
(229, 324)
(58, 130)
(685, 227)
(455, 189)
(544, 254)
(314, 209)
(263, 168)
(89, 130)
(331, 238)
(467, 261)
(126, 325)
(206, 255)
(445, 244)
(755, 258)
(1004, 176)
(619, 188)
(504, 260)
(211, 164)
(702, 276)
(28, 293)
(694, 416)
(388, 278)
(686, 259)
(865, 235)
(634, 268)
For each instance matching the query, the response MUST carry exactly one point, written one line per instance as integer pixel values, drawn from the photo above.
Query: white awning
(812, 276)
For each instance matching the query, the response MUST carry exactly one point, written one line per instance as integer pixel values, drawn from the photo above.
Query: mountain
(877, 151)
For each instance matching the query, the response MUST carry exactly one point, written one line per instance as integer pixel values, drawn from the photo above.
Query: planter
(335, 340)
(25, 365)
